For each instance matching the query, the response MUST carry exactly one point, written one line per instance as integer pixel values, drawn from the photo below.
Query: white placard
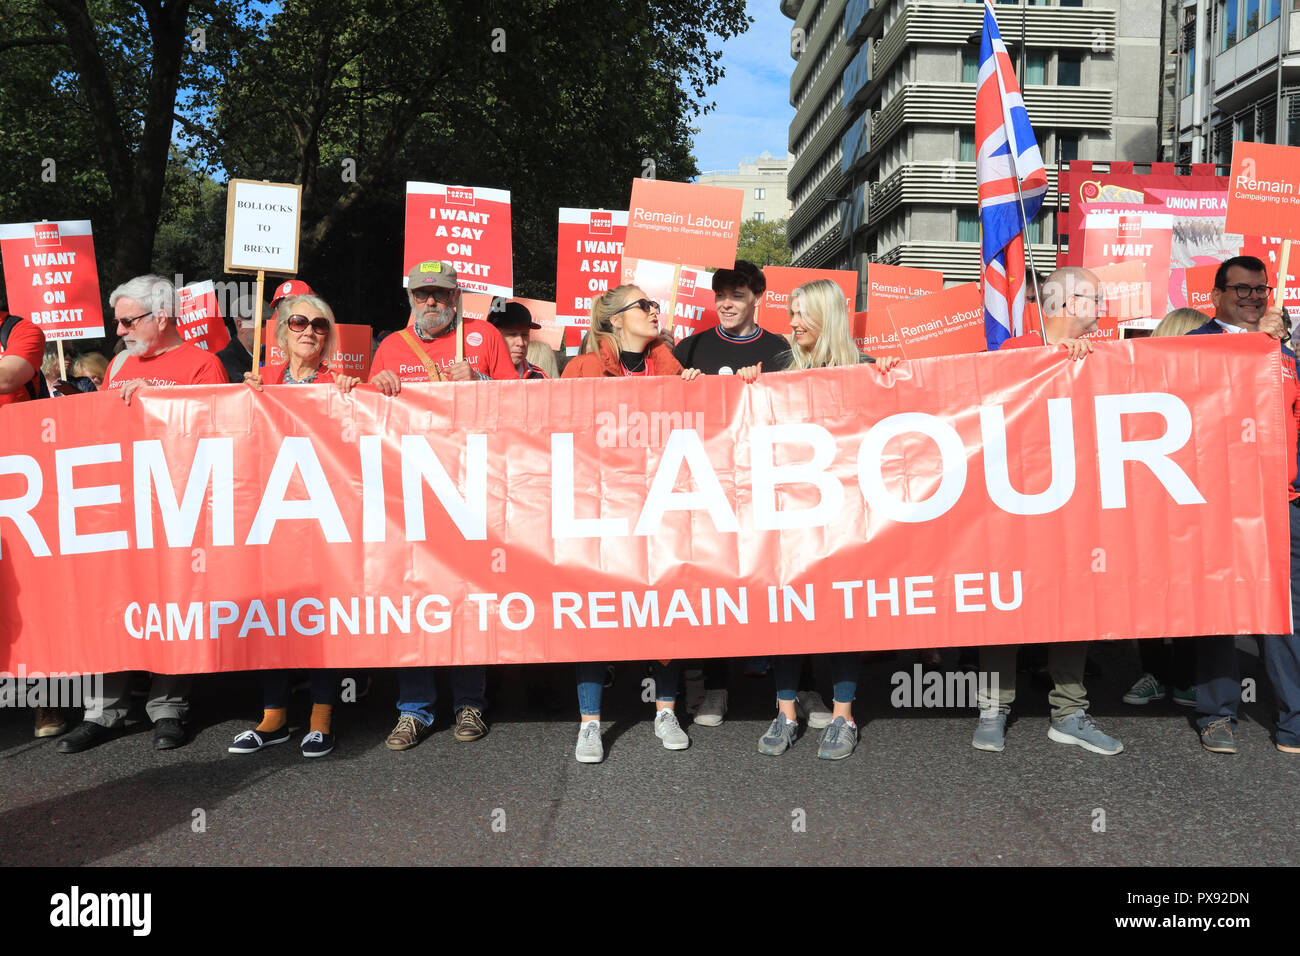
(262, 226)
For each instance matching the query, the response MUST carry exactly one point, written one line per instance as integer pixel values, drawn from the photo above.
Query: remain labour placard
(1264, 190)
(50, 277)
(468, 226)
(684, 222)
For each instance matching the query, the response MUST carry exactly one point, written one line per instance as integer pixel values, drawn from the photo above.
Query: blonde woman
(1180, 322)
(624, 341)
(819, 338)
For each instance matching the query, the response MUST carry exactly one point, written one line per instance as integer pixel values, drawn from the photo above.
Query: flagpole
(1033, 270)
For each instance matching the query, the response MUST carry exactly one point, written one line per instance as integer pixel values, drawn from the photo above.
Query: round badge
(474, 338)
(726, 370)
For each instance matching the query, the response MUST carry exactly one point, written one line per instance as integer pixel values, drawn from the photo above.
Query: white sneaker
(670, 732)
(711, 709)
(814, 709)
(589, 749)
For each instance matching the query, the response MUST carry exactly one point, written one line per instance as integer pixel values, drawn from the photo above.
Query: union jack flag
(1007, 152)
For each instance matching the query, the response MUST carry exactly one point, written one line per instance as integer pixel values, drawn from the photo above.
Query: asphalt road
(915, 792)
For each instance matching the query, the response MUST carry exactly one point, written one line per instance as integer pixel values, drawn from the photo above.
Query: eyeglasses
(441, 296)
(1098, 300)
(645, 305)
(130, 323)
(299, 323)
(1244, 291)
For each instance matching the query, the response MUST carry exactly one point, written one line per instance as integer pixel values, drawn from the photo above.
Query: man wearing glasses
(1072, 301)
(146, 308)
(1241, 304)
(426, 352)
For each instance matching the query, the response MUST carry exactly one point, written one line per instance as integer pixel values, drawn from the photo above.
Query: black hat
(508, 315)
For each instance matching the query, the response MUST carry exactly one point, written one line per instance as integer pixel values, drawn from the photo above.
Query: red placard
(1128, 296)
(876, 336)
(588, 260)
(693, 309)
(200, 319)
(684, 222)
(886, 284)
(468, 226)
(1110, 238)
(351, 356)
(950, 322)
(774, 308)
(1200, 282)
(543, 313)
(1264, 190)
(50, 277)
(651, 518)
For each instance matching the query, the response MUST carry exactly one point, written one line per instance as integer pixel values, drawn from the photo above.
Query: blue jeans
(1218, 675)
(416, 692)
(275, 687)
(591, 683)
(844, 674)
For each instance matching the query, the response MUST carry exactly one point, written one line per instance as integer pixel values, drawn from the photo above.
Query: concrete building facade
(764, 182)
(883, 134)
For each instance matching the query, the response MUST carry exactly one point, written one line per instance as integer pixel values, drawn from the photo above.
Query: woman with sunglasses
(305, 330)
(819, 338)
(624, 340)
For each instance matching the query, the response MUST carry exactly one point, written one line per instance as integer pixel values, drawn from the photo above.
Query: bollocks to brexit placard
(50, 277)
(468, 226)
(588, 259)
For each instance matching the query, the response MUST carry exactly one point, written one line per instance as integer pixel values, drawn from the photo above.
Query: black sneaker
(251, 741)
(1216, 737)
(86, 735)
(317, 744)
(168, 734)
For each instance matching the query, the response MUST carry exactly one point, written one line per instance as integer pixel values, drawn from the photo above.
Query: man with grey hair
(146, 309)
(1072, 301)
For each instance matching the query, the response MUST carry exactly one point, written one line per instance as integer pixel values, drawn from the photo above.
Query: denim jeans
(1218, 674)
(416, 692)
(275, 687)
(844, 675)
(591, 683)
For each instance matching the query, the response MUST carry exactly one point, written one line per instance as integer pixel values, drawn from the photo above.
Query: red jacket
(591, 365)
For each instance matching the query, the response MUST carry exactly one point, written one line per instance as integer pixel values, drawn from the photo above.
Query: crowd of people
(626, 338)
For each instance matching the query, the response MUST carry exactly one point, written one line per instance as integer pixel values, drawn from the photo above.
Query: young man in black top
(736, 341)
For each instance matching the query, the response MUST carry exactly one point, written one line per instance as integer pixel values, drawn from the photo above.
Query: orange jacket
(591, 365)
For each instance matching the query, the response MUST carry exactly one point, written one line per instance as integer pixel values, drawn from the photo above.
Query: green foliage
(764, 243)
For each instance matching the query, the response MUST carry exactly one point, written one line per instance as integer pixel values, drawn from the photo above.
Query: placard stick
(1281, 274)
(672, 299)
(460, 338)
(257, 326)
(62, 368)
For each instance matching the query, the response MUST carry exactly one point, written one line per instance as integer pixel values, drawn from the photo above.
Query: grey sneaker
(1080, 729)
(1145, 691)
(779, 738)
(838, 740)
(814, 709)
(712, 708)
(1216, 736)
(670, 732)
(991, 732)
(589, 749)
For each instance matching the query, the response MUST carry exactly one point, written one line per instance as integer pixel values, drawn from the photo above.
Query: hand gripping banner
(963, 500)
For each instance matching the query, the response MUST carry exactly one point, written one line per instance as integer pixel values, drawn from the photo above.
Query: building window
(970, 66)
(1273, 10)
(968, 225)
(1243, 128)
(1035, 68)
(1069, 70)
(760, 192)
(1067, 146)
(966, 145)
(758, 217)
(1250, 23)
(1228, 22)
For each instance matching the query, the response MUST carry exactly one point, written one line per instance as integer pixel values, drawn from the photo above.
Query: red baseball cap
(288, 288)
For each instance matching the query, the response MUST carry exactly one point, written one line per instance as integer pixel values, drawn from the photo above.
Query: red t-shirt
(485, 351)
(274, 375)
(1030, 340)
(26, 341)
(186, 364)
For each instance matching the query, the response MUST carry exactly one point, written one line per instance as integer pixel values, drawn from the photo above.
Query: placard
(1264, 190)
(353, 349)
(1110, 238)
(876, 336)
(693, 309)
(200, 318)
(588, 260)
(468, 226)
(684, 223)
(949, 322)
(50, 277)
(1127, 291)
(886, 284)
(262, 226)
(1200, 284)
(774, 307)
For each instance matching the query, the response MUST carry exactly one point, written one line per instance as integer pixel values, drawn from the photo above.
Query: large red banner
(969, 499)
(468, 226)
(50, 277)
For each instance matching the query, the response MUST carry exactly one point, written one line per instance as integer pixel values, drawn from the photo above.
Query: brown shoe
(469, 724)
(1288, 748)
(407, 733)
(50, 722)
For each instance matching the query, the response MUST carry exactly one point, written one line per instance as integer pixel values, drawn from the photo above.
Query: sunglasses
(130, 322)
(298, 323)
(442, 296)
(645, 305)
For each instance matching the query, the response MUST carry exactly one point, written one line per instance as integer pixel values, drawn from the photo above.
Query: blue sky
(753, 112)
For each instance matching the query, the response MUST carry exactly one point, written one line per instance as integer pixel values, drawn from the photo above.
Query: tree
(764, 243)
